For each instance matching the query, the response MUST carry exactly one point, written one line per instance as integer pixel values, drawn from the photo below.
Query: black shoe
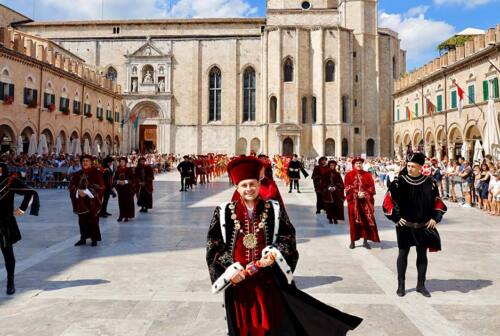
(352, 246)
(330, 221)
(108, 214)
(94, 243)
(145, 210)
(422, 290)
(401, 288)
(366, 245)
(318, 212)
(103, 216)
(80, 242)
(11, 289)
(182, 190)
(289, 191)
(126, 220)
(119, 219)
(335, 222)
(298, 192)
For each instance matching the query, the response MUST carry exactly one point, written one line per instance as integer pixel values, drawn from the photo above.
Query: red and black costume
(333, 195)
(107, 174)
(267, 302)
(126, 191)
(416, 200)
(317, 176)
(361, 210)
(10, 185)
(144, 177)
(88, 207)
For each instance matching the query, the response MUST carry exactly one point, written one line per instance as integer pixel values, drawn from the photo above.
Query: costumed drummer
(413, 203)
(251, 256)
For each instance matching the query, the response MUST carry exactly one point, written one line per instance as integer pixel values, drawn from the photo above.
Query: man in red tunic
(86, 192)
(251, 256)
(360, 192)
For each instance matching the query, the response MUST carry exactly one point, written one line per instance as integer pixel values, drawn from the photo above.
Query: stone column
(451, 151)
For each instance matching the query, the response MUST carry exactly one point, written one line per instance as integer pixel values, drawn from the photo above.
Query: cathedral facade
(312, 78)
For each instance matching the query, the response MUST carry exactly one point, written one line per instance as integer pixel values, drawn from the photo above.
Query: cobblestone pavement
(148, 276)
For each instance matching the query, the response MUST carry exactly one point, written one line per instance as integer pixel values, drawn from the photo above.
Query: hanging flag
(460, 95)
(409, 114)
(133, 117)
(136, 121)
(431, 108)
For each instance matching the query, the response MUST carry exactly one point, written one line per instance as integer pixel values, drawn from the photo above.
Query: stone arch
(472, 131)
(455, 141)
(6, 75)
(26, 134)
(74, 135)
(8, 139)
(147, 109)
(49, 135)
(417, 140)
(98, 143)
(255, 145)
(30, 82)
(288, 69)
(108, 142)
(329, 70)
(116, 145)
(111, 73)
(241, 146)
(330, 147)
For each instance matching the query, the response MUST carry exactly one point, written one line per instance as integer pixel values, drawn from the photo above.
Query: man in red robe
(333, 193)
(317, 176)
(86, 191)
(124, 184)
(360, 192)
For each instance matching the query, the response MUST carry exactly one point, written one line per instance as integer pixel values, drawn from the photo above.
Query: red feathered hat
(357, 159)
(244, 168)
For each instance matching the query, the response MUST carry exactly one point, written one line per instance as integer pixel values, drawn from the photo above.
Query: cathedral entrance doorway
(288, 147)
(148, 138)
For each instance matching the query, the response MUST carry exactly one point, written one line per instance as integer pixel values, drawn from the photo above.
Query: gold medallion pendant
(250, 241)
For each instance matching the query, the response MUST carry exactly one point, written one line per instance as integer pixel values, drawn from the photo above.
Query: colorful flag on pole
(460, 95)
(409, 114)
(134, 119)
(431, 108)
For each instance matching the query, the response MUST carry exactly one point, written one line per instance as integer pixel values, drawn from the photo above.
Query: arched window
(345, 109)
(330, 71)
(345, 147)
(249, 95)
(288, 70)
(111, 74)
(273, 105)
(214, 113)
(304, 110)
(370, 147)
(313, 110)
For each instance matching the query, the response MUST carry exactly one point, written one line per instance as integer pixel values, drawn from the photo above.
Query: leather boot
(11, 289)
(401, 288)
(422, 290)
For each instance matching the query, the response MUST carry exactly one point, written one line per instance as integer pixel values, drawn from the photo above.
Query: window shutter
(2, 85)
(11, 90)
(472, 98)
(485, 90)
(439, 103)
(454, 99)
(34, 96)
(26, 95)
(496, 94)
(416, 109)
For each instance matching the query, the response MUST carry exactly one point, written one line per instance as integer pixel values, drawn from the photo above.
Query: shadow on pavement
(306, 282)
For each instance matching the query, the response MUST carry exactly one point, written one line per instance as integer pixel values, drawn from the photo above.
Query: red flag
(431, 108)
(409, 114)
(460, 94)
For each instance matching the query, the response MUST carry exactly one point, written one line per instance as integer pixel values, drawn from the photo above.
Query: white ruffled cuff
(281, 261)
(225, 279)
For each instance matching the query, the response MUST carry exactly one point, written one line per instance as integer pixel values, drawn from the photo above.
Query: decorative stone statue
(161, 85)
(134, 70)
(148, 79)
(134, 85)
(161, 70)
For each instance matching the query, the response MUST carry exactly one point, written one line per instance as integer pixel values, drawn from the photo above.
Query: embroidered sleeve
(218, 255)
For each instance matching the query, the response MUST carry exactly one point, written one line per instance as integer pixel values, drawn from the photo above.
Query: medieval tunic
(9, 187)
(415, 199)
(87, 208)
(333, 200)
(294, 169)
(144, 177)
(361, 210)
(317, 176)
(267, 303)
(125, 192)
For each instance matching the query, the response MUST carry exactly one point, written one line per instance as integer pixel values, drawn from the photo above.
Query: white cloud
(212, 8)
(419, 35)
(148, 9)
(465, 3)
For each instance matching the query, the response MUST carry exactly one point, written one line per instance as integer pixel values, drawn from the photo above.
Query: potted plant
(89, 115)
(65, 110)
(52, 107)
(32, 104)
(110, 119)
(8, 100)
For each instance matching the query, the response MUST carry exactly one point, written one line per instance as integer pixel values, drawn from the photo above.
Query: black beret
(417, 157)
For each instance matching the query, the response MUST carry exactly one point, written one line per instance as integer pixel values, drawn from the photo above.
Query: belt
(415, 225)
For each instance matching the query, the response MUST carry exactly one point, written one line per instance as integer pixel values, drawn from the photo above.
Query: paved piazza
(148, 277)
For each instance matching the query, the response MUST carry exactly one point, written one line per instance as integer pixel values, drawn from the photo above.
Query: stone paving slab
(148, 277)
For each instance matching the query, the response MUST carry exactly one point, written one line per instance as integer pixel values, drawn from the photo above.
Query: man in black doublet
(413, 203)
(295, 167)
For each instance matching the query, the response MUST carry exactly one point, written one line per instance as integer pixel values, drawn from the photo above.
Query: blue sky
(422, 24)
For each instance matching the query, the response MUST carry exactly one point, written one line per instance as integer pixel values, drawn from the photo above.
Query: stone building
(429, 95)
(312, 77)
(45, 89)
